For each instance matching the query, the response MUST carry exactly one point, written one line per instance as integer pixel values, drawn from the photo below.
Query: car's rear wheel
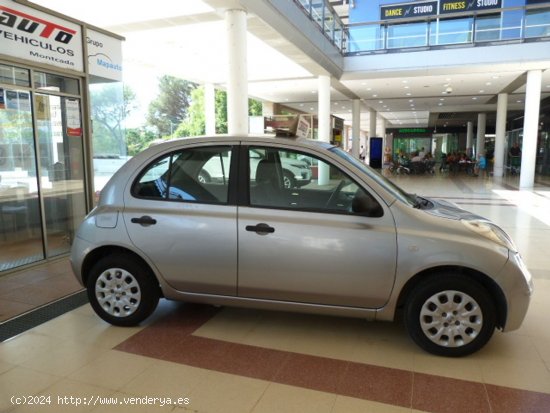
(121, 291)
(450, 315)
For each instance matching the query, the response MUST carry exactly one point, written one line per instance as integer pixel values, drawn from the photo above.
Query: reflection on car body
(342, 240)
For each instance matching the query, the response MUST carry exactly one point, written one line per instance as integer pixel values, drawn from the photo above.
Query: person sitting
(416, 157)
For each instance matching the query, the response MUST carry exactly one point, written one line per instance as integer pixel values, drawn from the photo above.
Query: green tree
(194, 123)
(138, 139)
(111, 104)
(170, 108)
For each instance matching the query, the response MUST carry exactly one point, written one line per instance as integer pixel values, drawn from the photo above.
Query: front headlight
(490, 231)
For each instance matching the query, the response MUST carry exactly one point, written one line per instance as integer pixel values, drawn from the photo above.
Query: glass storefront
(42, 196)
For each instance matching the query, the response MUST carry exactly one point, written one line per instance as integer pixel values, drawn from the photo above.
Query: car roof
(250, 139)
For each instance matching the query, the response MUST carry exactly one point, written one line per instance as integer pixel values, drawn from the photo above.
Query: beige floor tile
(543, 347)
(166, 379)
(21, 382)
(5, 366)
(504, 347)
(112, 370)
(466, 368)
(517, 374)
(65, 359)
(66, 396)
(230, 393)
(27, 345)
(281, 398)
(230, 324)
(351, 405)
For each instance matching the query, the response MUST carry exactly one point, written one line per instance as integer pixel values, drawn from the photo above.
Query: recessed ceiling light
(313, 91)
(407, 87)
(363, 83)
(380, 101)
(301, 104)
(519, 101)
(474, 98)
(311, 109)
(408, 94)
(495, 77)
(481, 91)
(440, 104)
(374, 96)
(488, 84)
(448, 79)
(336, 103)
(441, 98)
(343, 107)
(369, 88)
(405, 81)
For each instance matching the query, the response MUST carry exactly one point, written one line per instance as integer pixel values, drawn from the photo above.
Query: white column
(355, 127)
(530, 129)
(381, 130)
(469, 137)
(502, 108)
(237, 79)
(480, 143)
(323, 123)
(210, 109)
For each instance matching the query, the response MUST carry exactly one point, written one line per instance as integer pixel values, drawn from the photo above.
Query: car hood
(445, 209)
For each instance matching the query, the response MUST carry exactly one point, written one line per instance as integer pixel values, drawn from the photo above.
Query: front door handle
(261, 229)
(145, 220)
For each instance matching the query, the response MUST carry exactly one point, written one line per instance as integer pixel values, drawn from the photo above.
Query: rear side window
(192, 175)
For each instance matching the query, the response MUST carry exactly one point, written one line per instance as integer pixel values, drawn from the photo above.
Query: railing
(484, 26)
(322, 13)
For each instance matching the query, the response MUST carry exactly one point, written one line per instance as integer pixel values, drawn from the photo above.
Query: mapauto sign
(33, 35)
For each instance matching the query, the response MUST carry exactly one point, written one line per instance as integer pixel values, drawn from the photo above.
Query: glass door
(59, 134)
(20, 224)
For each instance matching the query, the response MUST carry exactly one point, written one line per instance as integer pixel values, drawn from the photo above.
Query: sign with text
(33, 35)
(401, 11)
(454, 6)
(104, 55)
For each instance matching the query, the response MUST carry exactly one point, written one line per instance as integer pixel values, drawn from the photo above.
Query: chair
(267, 189)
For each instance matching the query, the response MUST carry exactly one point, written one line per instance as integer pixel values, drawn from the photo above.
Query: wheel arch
(106, 250)
(492, 287)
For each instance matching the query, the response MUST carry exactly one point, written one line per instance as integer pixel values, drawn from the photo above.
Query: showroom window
(192, 175)
(294, 180)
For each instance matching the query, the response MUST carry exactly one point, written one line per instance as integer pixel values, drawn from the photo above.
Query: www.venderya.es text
(46, 400)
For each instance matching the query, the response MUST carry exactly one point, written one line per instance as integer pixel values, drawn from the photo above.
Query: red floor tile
(170, 338)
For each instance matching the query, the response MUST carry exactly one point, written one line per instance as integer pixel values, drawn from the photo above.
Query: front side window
(192, 175)
(299, 181)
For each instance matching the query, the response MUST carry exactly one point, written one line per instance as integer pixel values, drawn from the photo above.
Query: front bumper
(517, 284)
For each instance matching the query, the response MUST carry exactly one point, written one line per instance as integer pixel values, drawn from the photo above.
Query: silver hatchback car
(347, 243)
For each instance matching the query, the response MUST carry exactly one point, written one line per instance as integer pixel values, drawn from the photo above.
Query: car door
(184, 225)
(329, 242)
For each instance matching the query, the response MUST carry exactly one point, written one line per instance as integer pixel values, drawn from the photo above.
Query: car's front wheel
(121, 291)
(450, 315)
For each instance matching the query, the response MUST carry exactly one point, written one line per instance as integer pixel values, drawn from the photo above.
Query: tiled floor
(234, 360)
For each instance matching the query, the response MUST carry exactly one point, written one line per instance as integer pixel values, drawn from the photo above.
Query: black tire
(121, 291)
(450, 315)
(289, 181)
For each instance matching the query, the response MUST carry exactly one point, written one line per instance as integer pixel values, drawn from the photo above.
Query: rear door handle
(145, 221)
(260, 229)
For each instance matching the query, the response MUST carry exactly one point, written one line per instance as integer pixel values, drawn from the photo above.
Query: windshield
(381, 180)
